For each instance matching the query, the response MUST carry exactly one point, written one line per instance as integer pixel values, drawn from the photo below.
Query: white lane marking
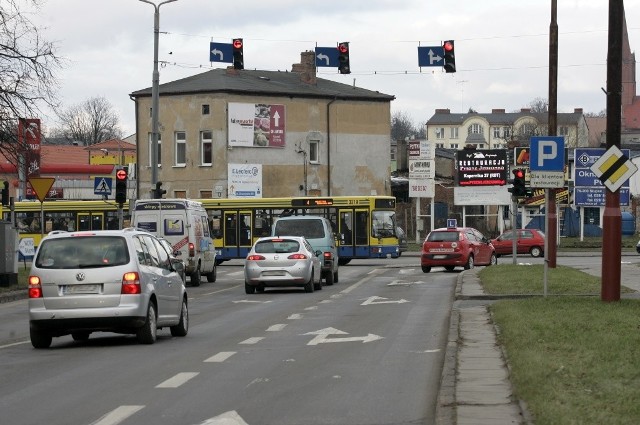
(295, 317)
(383, 300)
(251, 301)
(257, 381)
(117, 415)
(227, 418)
(218, 291)
(322, 336)
(426, 351)
(253, 340)
(13, 343)
(315, 307)
(325, 301)
(220, 357)
(276, 328)
(177, 380)
(371, 274)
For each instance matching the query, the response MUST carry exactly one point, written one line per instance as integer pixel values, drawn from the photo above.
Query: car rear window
(310, 229)
(277, 246)
(443, 237)
(82, 252)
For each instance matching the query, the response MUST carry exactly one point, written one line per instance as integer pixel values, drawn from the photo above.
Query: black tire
(318, 285)
(344, 261)
(426, 269)
(535, 251)
(470, 264)
(40, 339)
(196, 277)
(335, 277)
(309, 286)
(211, 277)
(249, 289)
(494, 260)
(449, 268)
(328, 278)
(182, 328)
(80, 336)
(148, 333)
(260, 289)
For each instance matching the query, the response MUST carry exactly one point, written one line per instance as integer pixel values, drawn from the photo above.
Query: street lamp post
(154, 92)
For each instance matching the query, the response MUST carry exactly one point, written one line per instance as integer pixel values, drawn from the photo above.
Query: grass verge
(573, 358)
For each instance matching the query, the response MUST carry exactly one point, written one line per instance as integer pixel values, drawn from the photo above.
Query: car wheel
(345, 261)
(182, 328)
(449, 268)
(80, 336)
(147, 334)
(249, 289)
(318, 284)
(260, 289)
(494, 260)
(40, 339)
(309, 286)
(196, 277)
(211, 277)
(328, 278)
(469, 264)
(535, 251)
(426, 269)
(335, 277)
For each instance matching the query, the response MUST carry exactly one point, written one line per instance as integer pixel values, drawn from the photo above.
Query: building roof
(445, 117)
(113, 145)
(269, 83)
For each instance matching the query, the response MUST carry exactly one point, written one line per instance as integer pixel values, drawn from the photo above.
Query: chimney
(497, 111)
(232, 71)
(443, 111)
(577, 110)
(306, 68)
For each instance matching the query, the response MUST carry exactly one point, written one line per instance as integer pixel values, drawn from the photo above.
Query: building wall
(355, 155)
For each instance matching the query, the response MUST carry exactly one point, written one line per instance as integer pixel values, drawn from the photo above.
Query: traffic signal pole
(551, 228)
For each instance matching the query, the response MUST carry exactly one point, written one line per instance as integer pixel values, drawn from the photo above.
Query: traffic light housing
(343, 58)
(449, 56)
(122, 174)
(158, 191)
(238, 53)
(5, 193)
(519, 188)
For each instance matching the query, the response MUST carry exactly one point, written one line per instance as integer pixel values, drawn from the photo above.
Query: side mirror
(318, 253)
(178, 265)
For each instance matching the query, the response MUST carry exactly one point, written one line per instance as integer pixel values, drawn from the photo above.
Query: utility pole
(551, 228)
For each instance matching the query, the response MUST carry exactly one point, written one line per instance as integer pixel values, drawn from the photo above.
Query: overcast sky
(502, 47)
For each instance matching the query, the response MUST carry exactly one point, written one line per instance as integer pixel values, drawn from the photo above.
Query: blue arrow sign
(430, 56)
(327, 57)
(220, 52)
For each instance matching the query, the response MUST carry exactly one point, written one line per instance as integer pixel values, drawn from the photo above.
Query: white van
(319, 233)
(185, 225)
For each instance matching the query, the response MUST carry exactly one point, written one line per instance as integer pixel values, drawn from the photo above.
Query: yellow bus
(364, 226)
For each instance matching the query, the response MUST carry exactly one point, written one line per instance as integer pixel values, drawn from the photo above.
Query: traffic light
(122, 174)
(158, 191)
(343, 58)
(519, 188)
(238, 53)
(449, 56)
(5, 193)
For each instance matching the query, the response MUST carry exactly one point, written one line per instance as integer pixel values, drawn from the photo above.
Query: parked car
(282, 261)
(530, 241)
(119, 281)
(638, 247)
(403, 245)
(174, 254)
(456, 247)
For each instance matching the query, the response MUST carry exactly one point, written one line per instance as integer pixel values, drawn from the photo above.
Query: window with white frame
(496, 132)
(206, 148)
(181, 148)
(506, 131)
(476, 129)
(563, 130)
(455, 146)
(159, 149)
(439, 132)
(440, 145)
(454, 133)
(314, 151)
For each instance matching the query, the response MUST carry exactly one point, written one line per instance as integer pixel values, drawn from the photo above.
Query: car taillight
(192, 250)
(255, 257)
(297, 257)
(130, 283)
(327, 255)
(35, 288)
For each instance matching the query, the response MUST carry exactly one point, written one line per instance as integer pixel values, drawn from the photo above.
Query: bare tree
(27, 73)
(539, 105)
(402, 127)
(90, 122)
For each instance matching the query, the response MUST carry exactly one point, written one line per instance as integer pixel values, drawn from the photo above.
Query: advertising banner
(256, 125)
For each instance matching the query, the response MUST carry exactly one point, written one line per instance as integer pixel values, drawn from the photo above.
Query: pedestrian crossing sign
(102, 185)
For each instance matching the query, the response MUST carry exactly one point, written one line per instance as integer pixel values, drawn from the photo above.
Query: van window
(173, 227)
(311, 229)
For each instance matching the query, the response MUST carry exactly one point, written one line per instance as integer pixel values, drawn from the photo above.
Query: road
(367, 350)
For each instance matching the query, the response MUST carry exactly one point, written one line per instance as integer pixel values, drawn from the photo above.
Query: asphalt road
(367, 350)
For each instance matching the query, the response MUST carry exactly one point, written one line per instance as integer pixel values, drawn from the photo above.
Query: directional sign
(322, 337)
(613, 168)
(27, 247)
(430, 56)
(220, 52)
(327, 57)
(102, 185)
(41, 186)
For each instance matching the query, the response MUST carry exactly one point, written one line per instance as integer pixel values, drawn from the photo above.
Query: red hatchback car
(530, 241)
(456, 247)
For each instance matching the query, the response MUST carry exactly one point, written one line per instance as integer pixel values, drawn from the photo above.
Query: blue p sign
(547, 153)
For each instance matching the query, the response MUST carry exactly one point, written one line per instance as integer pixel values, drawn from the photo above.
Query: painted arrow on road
(382, 300)
(401, 283)
(322, 336)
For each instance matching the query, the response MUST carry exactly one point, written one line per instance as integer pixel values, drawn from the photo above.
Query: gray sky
(502, 47)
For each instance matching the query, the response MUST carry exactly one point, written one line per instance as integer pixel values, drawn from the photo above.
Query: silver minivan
(121, 281)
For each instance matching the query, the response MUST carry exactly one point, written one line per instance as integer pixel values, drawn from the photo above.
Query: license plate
(81, 289)
(439, 257)
(273, 273)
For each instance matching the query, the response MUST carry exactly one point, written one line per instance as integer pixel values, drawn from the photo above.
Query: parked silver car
(282, 261)
(119, 281)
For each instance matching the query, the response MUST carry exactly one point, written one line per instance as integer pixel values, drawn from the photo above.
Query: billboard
(256, 125)
(482, 167)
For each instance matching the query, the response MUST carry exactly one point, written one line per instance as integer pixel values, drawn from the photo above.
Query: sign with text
(589, 189)
(245, 180)
(256, 125)
(482, 167)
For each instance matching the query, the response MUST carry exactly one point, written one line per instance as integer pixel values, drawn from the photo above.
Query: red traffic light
(237, 43)
(343, 47)
(447, 46)
(518, 174)
(121, 174)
